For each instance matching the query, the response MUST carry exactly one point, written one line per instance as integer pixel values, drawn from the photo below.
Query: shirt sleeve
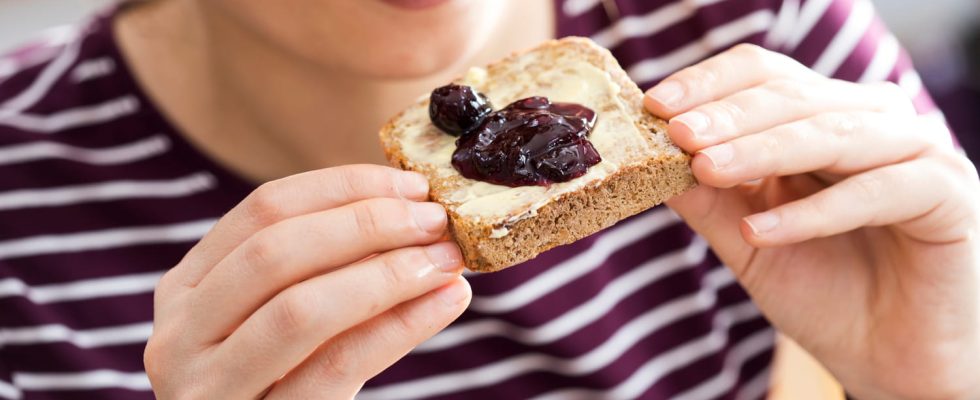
(846, 39)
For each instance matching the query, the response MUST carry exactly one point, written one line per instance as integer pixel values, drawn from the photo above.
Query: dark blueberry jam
(530, 142)
(457, 109)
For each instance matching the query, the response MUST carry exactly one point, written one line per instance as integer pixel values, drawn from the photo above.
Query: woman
(252, 123)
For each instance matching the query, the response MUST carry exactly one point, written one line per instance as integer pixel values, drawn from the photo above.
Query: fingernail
(696, 122)
(720, 155)
(453, 294)
(668, 93)
(762, 222)
(411, 185)
(445, 256)
(431, 217)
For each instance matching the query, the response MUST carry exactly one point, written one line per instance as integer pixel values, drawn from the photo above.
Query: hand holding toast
(850, 220)
(309, 287)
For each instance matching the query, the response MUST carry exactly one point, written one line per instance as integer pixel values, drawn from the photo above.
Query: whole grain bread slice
(529, 221)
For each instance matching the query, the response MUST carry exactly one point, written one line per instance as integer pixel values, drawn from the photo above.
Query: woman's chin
(414, 63)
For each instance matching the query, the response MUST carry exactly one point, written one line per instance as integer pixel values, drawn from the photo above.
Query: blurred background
(943, 37)
(22, 19)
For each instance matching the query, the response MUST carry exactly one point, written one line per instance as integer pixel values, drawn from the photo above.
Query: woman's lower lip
(415, 4)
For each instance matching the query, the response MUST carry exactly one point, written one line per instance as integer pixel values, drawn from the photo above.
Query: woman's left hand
(851, 221)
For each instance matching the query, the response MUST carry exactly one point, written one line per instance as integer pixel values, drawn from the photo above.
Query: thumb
(716, 214)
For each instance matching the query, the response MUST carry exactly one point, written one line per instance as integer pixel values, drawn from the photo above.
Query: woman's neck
(265, 114)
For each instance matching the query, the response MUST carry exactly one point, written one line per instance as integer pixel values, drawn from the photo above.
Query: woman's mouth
(415, 4)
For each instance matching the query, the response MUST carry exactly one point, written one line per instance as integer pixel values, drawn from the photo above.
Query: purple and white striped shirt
(100, 194)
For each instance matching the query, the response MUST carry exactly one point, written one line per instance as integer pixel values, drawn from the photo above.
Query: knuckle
(766, 150)
(816, 205)
(959, 164)
(773, 63)
(724, 114)
(952, 186)
(385, 216)
(165, 297)
(293, 313)
(769, 145)
(264, 205)
(760, 57)
(895, 97)
(840, 125)
(404, 321)
(359, 179)
(930, 145)
(751, 51)
(163, 369)
(968, 168)
(402, 220)
(164, 286)
(933, 130)
(397, 265)
(261, 250)
(337, 363)
(791, 89)
(698, 78)
(348, 181)
(153, 355)
(891, 88)
(868, 187)
(368, 218)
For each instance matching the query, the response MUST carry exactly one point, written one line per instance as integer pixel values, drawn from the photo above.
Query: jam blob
(457, 109)
(530, 142)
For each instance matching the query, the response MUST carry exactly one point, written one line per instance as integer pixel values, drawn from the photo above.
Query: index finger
(736, 69)
(293, 196)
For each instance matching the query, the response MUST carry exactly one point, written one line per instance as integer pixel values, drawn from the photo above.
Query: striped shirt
(100, 194)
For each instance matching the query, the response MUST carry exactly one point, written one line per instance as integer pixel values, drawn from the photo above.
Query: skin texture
(270, 292)
(334, 35)
(319, 280)
(851, 221)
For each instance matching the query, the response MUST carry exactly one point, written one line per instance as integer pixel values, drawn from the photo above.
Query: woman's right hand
(306, 289)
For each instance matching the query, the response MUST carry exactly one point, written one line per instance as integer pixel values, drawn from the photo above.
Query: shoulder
(57, 82)
(652, 39)
(68, 106)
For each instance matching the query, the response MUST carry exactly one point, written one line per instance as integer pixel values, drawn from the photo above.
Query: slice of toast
(499, 226)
